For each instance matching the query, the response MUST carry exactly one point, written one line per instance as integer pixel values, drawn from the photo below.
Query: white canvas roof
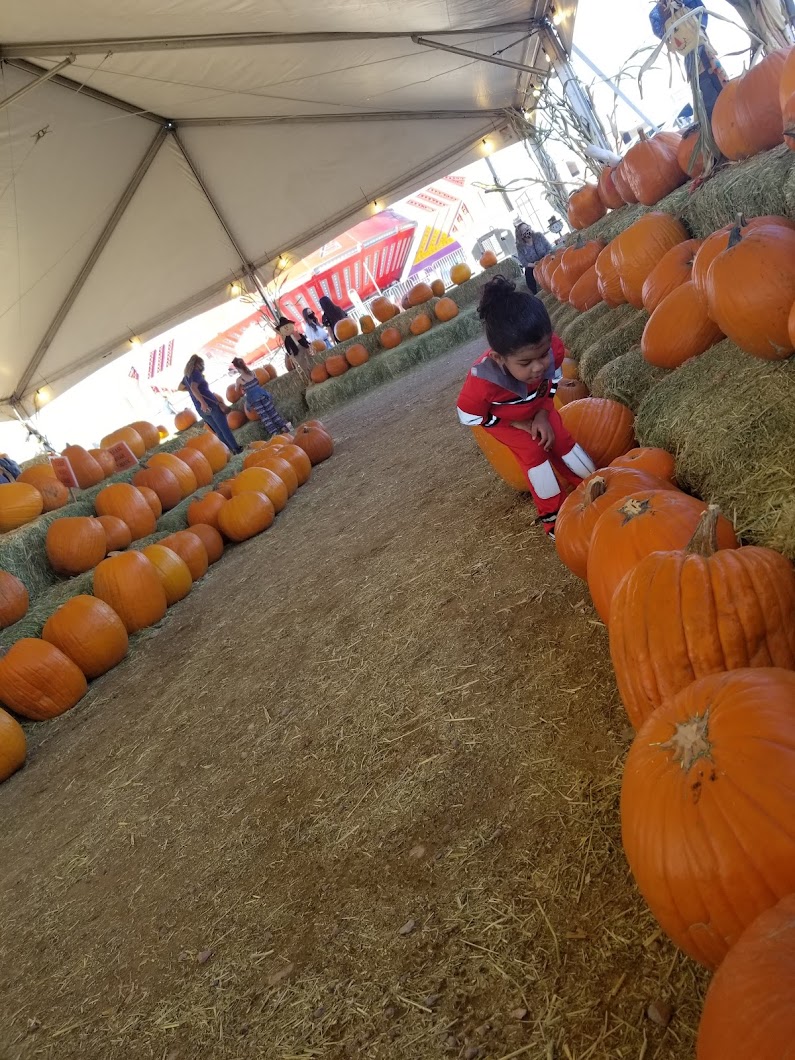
(184, 142)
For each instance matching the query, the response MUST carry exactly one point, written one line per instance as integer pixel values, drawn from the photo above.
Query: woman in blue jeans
(207, 404)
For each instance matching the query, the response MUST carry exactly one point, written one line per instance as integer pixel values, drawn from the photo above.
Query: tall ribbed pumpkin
(38, 681)
(75, 544)
(131, 585)
(747, 115)
(679, 328)
(175, 577)
(604, 428)
(125, 502)
(585, 293)
(163, 482)
(89, 632)
(585, 206)
(640, 247)
(652, 167)
(88, 471)
(608, 280)
(608, 192)
(672, 270)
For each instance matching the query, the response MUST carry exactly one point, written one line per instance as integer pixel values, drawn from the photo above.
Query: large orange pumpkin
(125, 502)
(87, 470)
(680, 328)
(117, 532)
(236, 419)
(608, 192)
(718, 241)
(130, 584)
(318, 373)
(681, 615)
(751, 288)
(460, 273)
(336, 365)
(421, 292)
(585, 207)
(211, 539)
(128, 435)
(38, 681)
(13, 746)
(14, 599)
(640, 247)
(190, 548)
(585, 293)
(298, 460)
(148, 433)
(152, 500)
(420, 324)
(488, 259)
(608, 279)
(179, 469)
(233, 393)
(604, 428)
(279, 466)
(357, 355)
(345, 329)
(390, 338)
(75, 544)
(205, 509)
(657, 462)
(198, 463)
(672, 270)
(708, 809)
(634, 527)
(245, 515)
(261, 480)
(383, 310)
(20, 503)
(185, 419)
(315, 441)
(163, 482)
(211, 447)
(652, 167)
(89, 632)
(172, 570)
(747, 116)
(622, 185)
(104, 458)
(445, 309)
(750, 1006)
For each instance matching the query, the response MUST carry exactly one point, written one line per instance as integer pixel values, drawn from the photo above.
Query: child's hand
(541, 430)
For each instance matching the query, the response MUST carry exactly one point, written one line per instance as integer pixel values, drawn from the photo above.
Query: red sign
(62, 470)
(123, 456)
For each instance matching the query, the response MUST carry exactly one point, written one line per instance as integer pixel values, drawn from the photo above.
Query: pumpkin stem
(736, 233)
(704, 541)
(690, 741)
(595, 487)
(632, 508)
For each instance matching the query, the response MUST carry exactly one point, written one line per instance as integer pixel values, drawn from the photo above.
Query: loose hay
(612, 344)
(627, 379)
(730, 420)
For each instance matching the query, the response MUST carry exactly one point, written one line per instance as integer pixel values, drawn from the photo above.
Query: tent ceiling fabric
(321, 132)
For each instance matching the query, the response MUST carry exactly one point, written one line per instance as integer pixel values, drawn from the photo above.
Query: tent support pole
(91, 260)
(497, 60)
(614, 87)
(341, 118)
(45, 75)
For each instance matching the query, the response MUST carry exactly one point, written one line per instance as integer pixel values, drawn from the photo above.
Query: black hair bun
(495, 297)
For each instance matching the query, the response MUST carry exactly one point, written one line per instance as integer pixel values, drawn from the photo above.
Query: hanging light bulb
(486, 146)
(536, 91)
(235, 289)
(135, 341)
(377, 206)
(557, 16)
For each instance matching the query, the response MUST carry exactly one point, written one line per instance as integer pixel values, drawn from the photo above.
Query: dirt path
(356, 798)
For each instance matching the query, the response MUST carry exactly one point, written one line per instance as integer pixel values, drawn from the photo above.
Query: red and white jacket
(490, 394)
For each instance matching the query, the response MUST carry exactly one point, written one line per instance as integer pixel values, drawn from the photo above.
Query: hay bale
(585, 328)
(613, 343)
(565, 316)
(44, 605)
(627, 379)
(730, 420)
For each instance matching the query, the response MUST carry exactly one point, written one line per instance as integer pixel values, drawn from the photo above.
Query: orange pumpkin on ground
(38, 681)
(205, 509)
(680, 328)
(356, 355)
(420, 324)
(261, 480)
(13, 746)
(163, 482)
(445, 309)
(117, 532)
(279, 466)
(152, 500)
(345, 329)
(336, 365)
(89, 632)
(390, 338)
(633, 527)
(75, 544)
(87, 471)
(657, 462)
(437, 288)
(185, 419)
(502, 460)
(211, 447)
(419, 293)
(14, 599)
(672, 270)
(198, 463)
(604, 428)
(298, 460)
(236, 419)
(179, 469)
(315, 441)
(191, 549)
(460, 273)
(708, 811)
(131, 586)
(172, 570)
(318, 373)
(125, 434)
(123, 501)
(245, 515)
(211, 539)
(585, 207)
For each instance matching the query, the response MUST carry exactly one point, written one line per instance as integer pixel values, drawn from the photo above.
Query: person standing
(530, 247)
(314, 330)
(259, 400)
(332, 315)
(206, 403)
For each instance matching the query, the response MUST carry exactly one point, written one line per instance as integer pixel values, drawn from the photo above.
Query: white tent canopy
(188, 143)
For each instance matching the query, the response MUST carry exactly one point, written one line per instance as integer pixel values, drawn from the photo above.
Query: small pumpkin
(608, 192)
(38, 681)
(316, 442)
(488, 259)
(211, 539)
(20, 503)
(357, 355)
(212, 448)
(224, 488)
(185, 419)
(345, 329)
(172, 570)
(318, 373)
(634, 527)
(608, 279)
(672, 270)
(251, 414)
(261, 480)
(104, 458)
(390, 338)
(421, 292)
(445, 309)
(124, 501)
(438, 288)
(152, 500)
(652, 167)
(298, 460)
(383, 310)
(420, 324)
(13, 746)
(585, 207)
(14, 599)
(129, 435)
(604, 428)
(366, 324)
(569, 368)
(179, 469)
(75, 544)
(130, 584)
(658, 462)
(318, 346)
(570, 390)
(690, 159)
(233, 393)
(162, 432)
(117, 533)
(205, 509)
(198, 463)
(245, 515)
(708, 809)
(54, 494)
(89, 632)
(236, 419)
(336, 365)
(460, 273)
(87, 470)
(680, 328)
(190, 548)
(161, 481)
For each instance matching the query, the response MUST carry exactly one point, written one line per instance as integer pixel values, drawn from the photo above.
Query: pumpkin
(577, 259)
(148, 433)
(205, 509)
(318, 346)
(190, 548)
(318, 374)
(357, 355)
(608, 192)
(420, 324)
(438, 288)
(604, 428)
(445, 309)
(14, 599)
(582, 510)
(117, 533)
(788, 114)
(683, 614)
(130, 584)
(75, 544)
(245, 515)
(124, 501)
(162, 432)
(569, 390)
(390, 338)
(336, 365)
(185, 419)
(487, 260)
(211, 539)
(658, 462)
(236, 419)
(261, 480)
(128, 435)
(87, 470)
(585, 207)
(162, 482)
(152, 500)
(383, 310)
(585, 293)
(672, 270)
(13, 746)
(640, 247)
(708, 809)
(315, 423)
(718, 241)
(225, 489)
(179, 469)
(792, 324)
(104, 458)
(345, 329)
(198, 463)
(279, 466)
(460, 273)
(688, 155)
(54, 494)
(172, 570)
(298, 460)
(502, 460)
(404, 302)
(569, 368)
(750, 290)
(20, 503)
(263, 377)
(211, 447)
(88, 632)
(679, 328)
(251, 414)
(421, 292)
(38, 681)
(315, 442)
(652, 167)
(234, 392)
(747, 116)
(631, 528)
(608, 280)
(622, 185)
(271, 370)
(749, 1010)
(366, 324)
